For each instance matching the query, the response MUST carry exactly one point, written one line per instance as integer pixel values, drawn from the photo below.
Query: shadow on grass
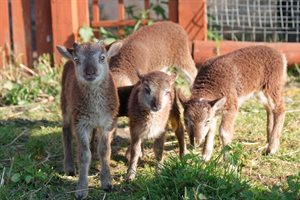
(191, 178)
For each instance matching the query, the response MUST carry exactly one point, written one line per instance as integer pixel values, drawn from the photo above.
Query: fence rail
(30, 28)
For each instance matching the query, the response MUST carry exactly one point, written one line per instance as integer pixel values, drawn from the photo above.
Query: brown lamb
(89, 103)
(153, 48)
(223, 83)
(152, 102)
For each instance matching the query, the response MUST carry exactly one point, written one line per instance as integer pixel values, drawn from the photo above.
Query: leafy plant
(21, 85)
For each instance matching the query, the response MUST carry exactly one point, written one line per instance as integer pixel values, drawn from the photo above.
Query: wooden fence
(30, 30)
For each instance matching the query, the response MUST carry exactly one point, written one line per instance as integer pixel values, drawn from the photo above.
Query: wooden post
(64, 24)
(4, 33)
(121, 16)
(192, 17)
(83, 13)
(21, 26)
(173, 10)
(43, 27)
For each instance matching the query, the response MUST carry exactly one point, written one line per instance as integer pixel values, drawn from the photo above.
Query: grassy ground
(31, 159)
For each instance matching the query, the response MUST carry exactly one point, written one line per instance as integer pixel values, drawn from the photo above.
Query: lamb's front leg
(135, 152)
(105, 153)
(83, 135)
(209, 142)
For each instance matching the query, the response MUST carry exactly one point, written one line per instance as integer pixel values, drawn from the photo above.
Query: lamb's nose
(90, 71)
(154, 106)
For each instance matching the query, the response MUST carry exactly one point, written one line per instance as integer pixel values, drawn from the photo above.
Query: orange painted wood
(83, 13)
(121, 10)
(114, 23)
(64, 24)
(43, 27)
(147, 4)
(173, 10)
(4, 32)
(96, 16)
(21, 25)
(192, 17)
(207, 49)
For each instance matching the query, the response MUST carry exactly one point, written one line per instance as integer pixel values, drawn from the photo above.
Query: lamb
(223, 83)
(89, 103)
(151, 48)
(151, 103)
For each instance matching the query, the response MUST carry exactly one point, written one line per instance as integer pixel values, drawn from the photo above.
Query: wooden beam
(192, 17)
(83, 13)
(96, 16)
(173, 10)
(21, 26)
(207, 49)
(64, 24)
(4, 33)
(115, 23)
(43, 27)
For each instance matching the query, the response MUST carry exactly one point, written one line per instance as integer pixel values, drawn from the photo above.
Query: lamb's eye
(167, 92)
(207, 121)
(76, 60)
(147, 90)
(102, 58)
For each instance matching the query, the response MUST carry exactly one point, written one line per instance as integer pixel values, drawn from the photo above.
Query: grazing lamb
(223, 83)
(153, 48)
(89, 103)
(151, 103)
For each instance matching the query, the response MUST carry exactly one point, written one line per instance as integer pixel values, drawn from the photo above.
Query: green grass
(31, 156)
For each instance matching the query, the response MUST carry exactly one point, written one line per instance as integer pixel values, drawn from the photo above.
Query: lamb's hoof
(108, 188)
(270, 151)
(130, 177)
(206, 158)
(71, 173)
(81, 194)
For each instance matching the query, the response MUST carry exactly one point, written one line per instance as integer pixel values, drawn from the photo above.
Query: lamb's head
(200, 116)
(155, 90)
(90, 59)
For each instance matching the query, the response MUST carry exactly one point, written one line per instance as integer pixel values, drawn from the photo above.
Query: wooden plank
(4, 33)
(121, 16)
(21, 25)
(115, 23)
(83, 13)
(43, 27)
(207, 49)
(96, 16)
(64, 24)
(173, 10)
(192, 17)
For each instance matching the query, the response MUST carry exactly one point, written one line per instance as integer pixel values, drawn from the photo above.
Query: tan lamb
(153, 48)
(89, 103)
(223, 83)
(152, 102)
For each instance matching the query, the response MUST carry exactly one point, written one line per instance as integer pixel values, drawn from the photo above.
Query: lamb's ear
(173, 77)
(140, 76)
(65, 52)
(181, 97)
(114, 49)
(218, 104)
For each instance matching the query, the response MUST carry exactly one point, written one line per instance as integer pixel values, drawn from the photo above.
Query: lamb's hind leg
(67, 145)
(177, 127)
(188, 68)
(278, 114)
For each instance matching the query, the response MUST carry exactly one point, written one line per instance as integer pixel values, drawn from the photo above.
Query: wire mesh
(254, 20)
